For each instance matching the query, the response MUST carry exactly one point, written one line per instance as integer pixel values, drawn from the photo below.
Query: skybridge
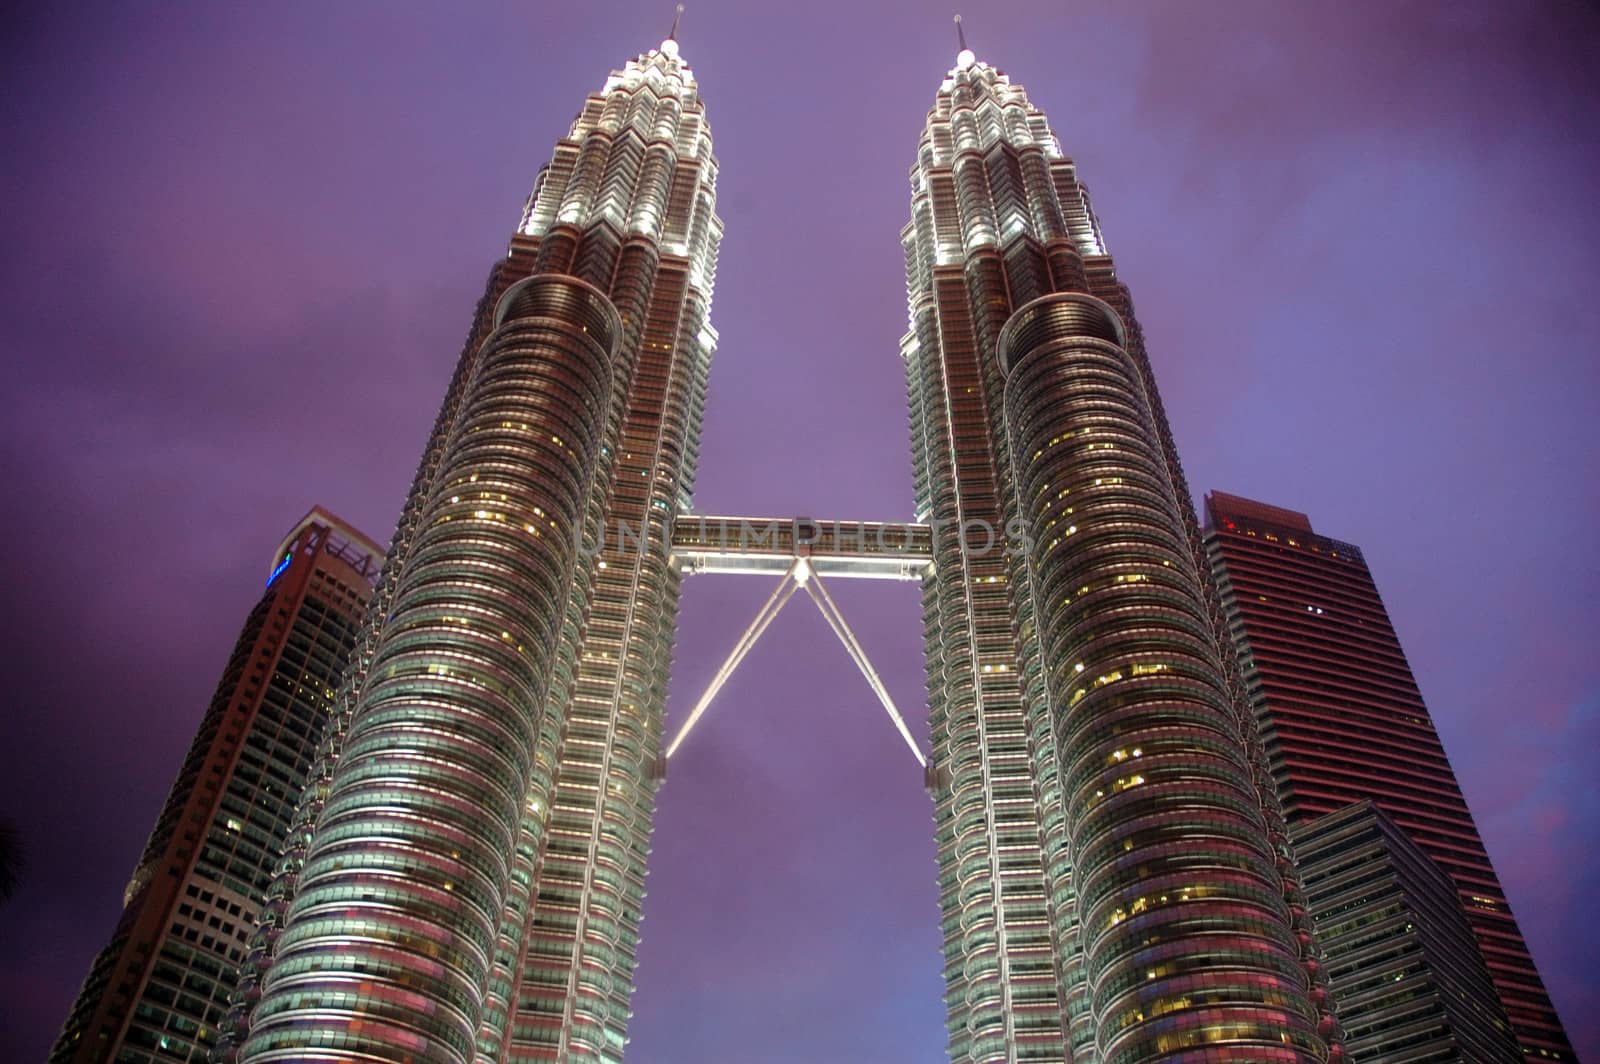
(873, 550)
(801, 552)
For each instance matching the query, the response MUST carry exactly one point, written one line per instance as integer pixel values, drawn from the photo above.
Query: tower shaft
(578, 963)
(466, 872)
(1114, 875)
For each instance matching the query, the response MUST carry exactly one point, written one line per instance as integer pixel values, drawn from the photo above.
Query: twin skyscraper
(462, 878)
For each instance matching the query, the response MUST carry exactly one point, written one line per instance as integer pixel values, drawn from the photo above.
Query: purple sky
(242, 245)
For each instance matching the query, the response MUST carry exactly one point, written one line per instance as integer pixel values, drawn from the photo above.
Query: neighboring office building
(159, 989)
(1408, 981)
(1343, 721)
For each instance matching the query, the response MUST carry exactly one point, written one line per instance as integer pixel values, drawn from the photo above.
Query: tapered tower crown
(1080, 711)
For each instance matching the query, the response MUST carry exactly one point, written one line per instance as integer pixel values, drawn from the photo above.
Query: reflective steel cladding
(1115, 875)
(465, 875)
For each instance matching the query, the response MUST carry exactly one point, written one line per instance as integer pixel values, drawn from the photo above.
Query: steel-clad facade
(1115, 876)
(466, 871)
(463, 878)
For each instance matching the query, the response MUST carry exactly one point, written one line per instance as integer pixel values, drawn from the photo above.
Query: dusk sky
(243, 243)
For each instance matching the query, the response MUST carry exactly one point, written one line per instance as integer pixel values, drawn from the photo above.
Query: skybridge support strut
(764, 617)
(800, 574)
(841, 628)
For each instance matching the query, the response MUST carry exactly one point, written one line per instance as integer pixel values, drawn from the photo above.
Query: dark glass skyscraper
(1343, 721)
(159, 989)
(1114, 873)
(1404, 967)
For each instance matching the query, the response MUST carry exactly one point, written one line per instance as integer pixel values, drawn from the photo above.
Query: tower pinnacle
(964, 58)
(670, 45)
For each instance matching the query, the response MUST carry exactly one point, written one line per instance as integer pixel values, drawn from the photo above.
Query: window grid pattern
(1343, 721)
(999, 220)
(1187, 935)
(647, 135)
(1402, 961)
(160, 989)
(386, 944)
(626, 207)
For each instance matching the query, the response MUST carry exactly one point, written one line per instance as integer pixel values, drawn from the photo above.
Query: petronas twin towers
(464, 876)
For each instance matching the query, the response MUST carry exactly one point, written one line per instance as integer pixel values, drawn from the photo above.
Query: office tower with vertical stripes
(1403, 965)
(160, 987)
(1344, 721)
(464, 878)
(1114, 874)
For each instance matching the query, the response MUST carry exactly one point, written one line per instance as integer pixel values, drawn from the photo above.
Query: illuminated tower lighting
(1114, 875)
(465, 875)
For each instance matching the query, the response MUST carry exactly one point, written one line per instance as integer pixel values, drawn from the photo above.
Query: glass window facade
(465, 872)
(1343, 721)
(159, 990)
(1406, 975)
(1114, 871)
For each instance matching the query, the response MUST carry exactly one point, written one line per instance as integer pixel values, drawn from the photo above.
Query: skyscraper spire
(965, 57)
(669, 46)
